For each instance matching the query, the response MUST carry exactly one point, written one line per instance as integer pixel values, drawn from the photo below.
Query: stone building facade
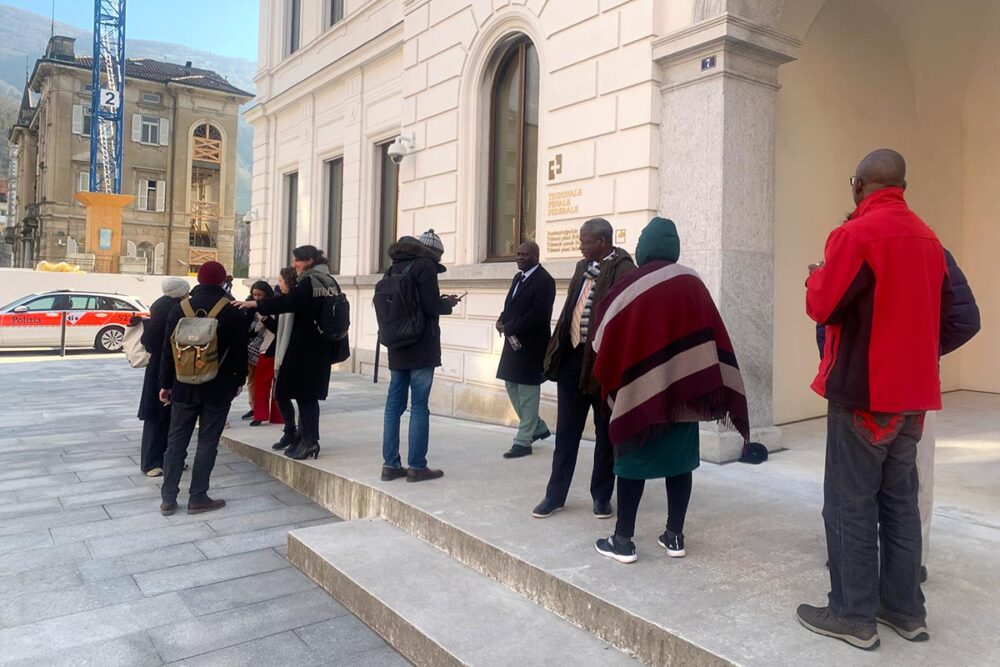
(179, 162)
(739, 119)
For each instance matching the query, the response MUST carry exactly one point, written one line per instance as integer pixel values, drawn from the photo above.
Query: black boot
(303, 450)
(287, 440)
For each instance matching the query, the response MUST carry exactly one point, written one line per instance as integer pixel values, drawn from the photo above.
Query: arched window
(513, 150)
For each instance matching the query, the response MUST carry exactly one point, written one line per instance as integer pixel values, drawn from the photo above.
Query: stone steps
(355, 500)
(433, 609)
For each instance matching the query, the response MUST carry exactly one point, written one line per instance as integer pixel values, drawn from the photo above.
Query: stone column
(719, 89)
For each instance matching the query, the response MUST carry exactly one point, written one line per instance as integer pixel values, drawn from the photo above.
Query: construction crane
(107, 106)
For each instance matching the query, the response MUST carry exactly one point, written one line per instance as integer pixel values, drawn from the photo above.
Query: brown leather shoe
(205, 506)
(166, 509)
(389, 474)
(422, 474)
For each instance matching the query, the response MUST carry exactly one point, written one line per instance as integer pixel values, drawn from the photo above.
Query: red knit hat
(212, 273)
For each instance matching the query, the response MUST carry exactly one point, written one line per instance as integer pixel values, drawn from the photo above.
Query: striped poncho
(664, 356)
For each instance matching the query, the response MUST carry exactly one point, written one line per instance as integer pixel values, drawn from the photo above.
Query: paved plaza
(91, 574)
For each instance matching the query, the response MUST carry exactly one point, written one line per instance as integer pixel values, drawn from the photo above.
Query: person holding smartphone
(412, 367)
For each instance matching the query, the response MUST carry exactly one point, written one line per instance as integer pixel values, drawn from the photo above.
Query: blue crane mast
(107, 106)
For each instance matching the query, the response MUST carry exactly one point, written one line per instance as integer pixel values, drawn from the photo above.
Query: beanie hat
(432, 241)
(211, 273)
(176, 288)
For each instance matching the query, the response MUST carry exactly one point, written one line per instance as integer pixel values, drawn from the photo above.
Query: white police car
(93, 319)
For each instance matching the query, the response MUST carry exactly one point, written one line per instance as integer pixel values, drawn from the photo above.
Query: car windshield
(17, 302)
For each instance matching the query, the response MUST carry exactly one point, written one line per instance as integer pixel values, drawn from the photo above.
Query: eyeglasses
(855, 180)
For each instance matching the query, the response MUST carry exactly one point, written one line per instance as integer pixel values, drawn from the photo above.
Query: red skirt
(262, 383)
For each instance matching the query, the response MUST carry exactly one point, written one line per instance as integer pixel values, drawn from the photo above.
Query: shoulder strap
(186, 307)
(217, 308)
(409, 265)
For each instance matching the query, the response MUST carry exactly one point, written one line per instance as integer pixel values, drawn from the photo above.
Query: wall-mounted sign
(564, 202)
(619, 237)
(708, 63)
(562, 241)
(110, 98)
(555, 166)
(104, 239)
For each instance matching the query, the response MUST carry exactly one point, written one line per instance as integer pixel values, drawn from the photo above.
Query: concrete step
(433, 609)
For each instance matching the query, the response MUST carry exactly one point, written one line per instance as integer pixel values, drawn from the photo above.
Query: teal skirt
(672, 452)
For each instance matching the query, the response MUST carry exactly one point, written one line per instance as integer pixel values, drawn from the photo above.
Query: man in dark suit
(525, 323)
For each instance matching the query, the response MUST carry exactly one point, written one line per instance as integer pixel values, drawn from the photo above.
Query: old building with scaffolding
(179, 162)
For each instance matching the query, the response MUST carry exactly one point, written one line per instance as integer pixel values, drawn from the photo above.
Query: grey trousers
(925, 476)
(525, 399)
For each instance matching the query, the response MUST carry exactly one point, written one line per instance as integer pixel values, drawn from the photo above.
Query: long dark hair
(264, 287)
(307, 252)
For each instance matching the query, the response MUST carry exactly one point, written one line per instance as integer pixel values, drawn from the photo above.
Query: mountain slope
(24, 35)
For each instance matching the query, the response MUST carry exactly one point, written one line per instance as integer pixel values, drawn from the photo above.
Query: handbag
(135, 351)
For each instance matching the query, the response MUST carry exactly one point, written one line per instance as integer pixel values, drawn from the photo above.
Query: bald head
(884, 168)
(527, 255)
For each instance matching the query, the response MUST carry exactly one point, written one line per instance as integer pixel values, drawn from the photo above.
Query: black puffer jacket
(426, 352)
(960, 320)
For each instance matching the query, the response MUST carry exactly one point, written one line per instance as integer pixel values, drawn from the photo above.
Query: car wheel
(110, 339)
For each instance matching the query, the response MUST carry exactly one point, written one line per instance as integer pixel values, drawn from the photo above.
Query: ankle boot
(287, 440)
(304, 450)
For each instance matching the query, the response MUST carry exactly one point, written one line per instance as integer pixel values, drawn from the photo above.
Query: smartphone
(464, 294)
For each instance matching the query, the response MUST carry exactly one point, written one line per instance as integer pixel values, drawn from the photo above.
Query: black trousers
(572, 409)
(211, 419)
(154, 443)
(630, 493)
(873, 536)
(308, 422)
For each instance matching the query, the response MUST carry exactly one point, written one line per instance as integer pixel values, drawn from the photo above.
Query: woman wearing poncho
(665, 363)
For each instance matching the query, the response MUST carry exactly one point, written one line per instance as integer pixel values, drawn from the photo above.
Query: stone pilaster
(719, 91)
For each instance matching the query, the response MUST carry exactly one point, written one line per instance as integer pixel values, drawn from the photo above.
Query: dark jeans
(211, 419)
(416, 384)
(630, 493)
(308, 422)
(154, 443)
(870, 501)
(572, 409)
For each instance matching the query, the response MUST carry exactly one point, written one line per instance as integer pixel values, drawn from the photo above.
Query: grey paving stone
(251, 540)
(278, 517)
(20, 541)
(247, 590)
(140, 561)
(107, 473)
(92, 463)
(340, 637)
(211, 571)
(292, 498)
(383, 657)
(90, 531)
(234, 507)
(71, 490)
(15, 509)
(53, 577)
(36, 559)
(69, 632)
(52, 481)
(105, 497)
(243, 466)
(238, 478)
(130, 651)
(8, 497)
(23, 524)
(35, 470)
(274, 651)
(228, 628)
(119, 545)
(32, 607)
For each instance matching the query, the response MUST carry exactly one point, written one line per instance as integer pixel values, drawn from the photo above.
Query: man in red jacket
(880, 292)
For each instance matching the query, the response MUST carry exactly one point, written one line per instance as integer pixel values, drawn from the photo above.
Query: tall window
(293, 16)
(513, 150)
(334, 210)
(150, 130)
(387, 204)
(336, 9)
(291, 211)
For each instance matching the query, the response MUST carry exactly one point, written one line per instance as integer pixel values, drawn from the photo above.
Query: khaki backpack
(195, 344)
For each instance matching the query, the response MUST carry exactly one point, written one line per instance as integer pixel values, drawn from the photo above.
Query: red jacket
(880, 295)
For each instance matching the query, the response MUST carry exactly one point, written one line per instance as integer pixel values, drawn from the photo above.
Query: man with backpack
(203, 368)
(408, 304)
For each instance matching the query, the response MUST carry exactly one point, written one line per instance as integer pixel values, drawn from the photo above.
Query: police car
(93, 319)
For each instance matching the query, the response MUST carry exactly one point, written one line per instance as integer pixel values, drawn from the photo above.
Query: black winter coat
(232, 337)
(528, 316)
(154, 330)
(304, 373)
(426, 352)
(959, 313)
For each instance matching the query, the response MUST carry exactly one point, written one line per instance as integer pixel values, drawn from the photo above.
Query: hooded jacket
(612, 270)
(426, 352)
